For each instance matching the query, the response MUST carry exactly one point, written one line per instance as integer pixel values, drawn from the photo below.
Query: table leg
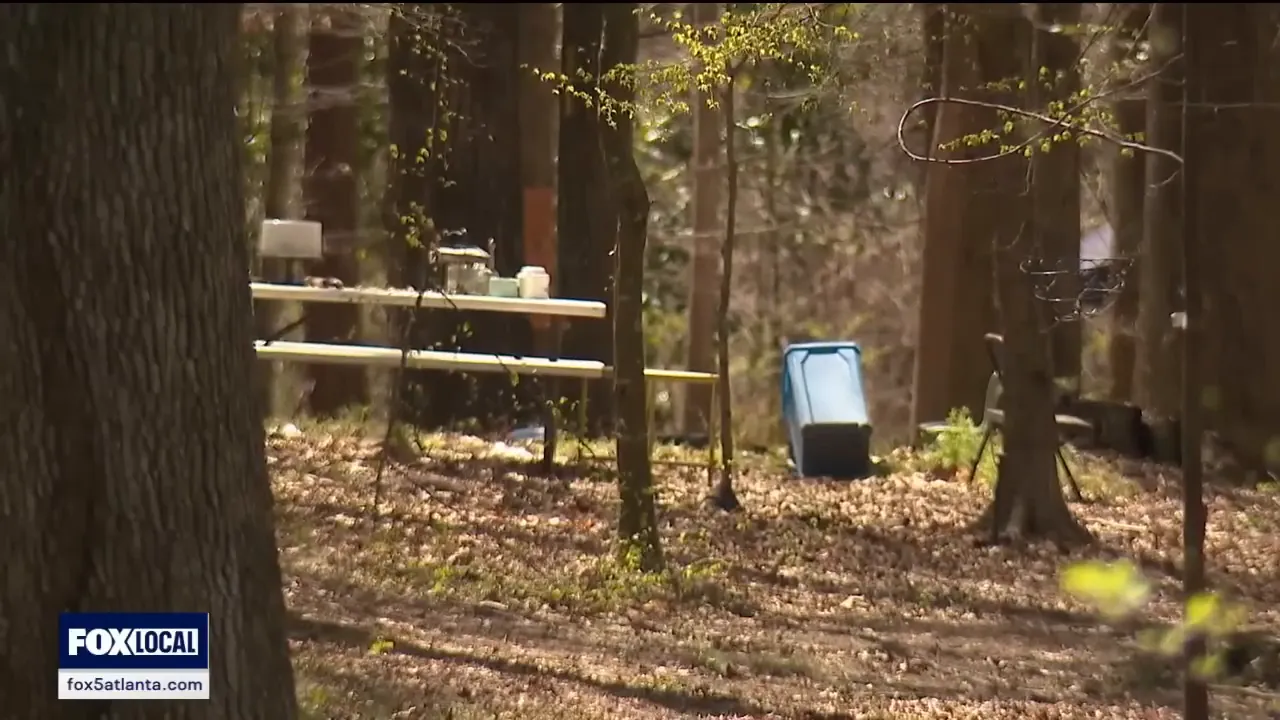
(712, 437)
(650, 411)
(582, 419)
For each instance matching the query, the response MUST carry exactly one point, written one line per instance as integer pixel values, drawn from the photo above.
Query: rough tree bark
(637, 518)
(332, 197)
(284, 175)
(933, 23)
(1238, 82)
(956, 300)
(1027, 499)
(1127, 190)
(586, 217)
(1057, 188)
(1158, 365)
(132, 474)
(704, 271)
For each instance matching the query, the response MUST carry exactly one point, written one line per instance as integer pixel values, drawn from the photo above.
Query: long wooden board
(427, 359)
(430, 300)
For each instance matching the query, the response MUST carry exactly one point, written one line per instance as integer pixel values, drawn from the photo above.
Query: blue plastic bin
(824, 409)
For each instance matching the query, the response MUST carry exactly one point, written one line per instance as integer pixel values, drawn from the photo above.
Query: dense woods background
(1092, 183)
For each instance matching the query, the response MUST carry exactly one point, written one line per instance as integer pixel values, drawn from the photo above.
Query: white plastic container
(294, 239)
(534, 281)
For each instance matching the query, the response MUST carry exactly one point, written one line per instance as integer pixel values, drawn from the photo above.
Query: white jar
(534, 281)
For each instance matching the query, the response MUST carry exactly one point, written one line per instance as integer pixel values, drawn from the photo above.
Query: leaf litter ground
(485, 592)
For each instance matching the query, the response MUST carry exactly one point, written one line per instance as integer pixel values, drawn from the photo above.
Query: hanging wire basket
(1077, 289)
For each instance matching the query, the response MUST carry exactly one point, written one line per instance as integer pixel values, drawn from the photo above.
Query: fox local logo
(137, 642)
(133, 641)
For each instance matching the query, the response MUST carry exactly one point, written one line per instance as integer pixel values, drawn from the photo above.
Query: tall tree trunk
(134, 476)
(637, 518)
(332, 197)
(1057, 188)
(1027, 499)
(415, 98)
(704, 271)
(1128, 190)
(284, 176)
(587, 219)
(1238, 85)
(956, 301)
(933, 23)
(478, 200)
(1158, 367)
(538, 112)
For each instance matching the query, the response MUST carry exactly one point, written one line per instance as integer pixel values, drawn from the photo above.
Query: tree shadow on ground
(356, 637)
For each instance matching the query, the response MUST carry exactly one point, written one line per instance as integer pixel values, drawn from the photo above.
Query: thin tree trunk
(705, 270)
(725, 498)
(332, 197)
(1203, 32)
(637, 520)
(133, 465)
(284, 177)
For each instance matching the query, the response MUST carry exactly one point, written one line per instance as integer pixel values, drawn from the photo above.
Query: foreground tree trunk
(586, 217)
(638, 517)
(133, 476)
(1027, 499)
(332, 197)
(284, 176)
(956, 300)
(704, 271)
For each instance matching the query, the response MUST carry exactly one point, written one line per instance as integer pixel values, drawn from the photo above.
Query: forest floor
(485, 592)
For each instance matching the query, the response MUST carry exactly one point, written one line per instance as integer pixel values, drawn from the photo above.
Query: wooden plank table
(583, 370)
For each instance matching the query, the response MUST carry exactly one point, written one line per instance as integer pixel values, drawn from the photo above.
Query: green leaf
(1114, 589)
(1207, 667)
(1202, 609)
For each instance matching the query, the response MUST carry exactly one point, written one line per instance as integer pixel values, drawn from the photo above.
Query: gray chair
(993, 417)
(993, 421)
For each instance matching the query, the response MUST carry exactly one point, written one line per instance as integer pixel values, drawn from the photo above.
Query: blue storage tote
(824, 409)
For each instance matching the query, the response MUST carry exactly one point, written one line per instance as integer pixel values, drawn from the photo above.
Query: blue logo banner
(133, 641)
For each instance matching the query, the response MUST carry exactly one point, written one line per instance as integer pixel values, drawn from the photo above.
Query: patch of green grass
(588, 585)
(953, 449)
